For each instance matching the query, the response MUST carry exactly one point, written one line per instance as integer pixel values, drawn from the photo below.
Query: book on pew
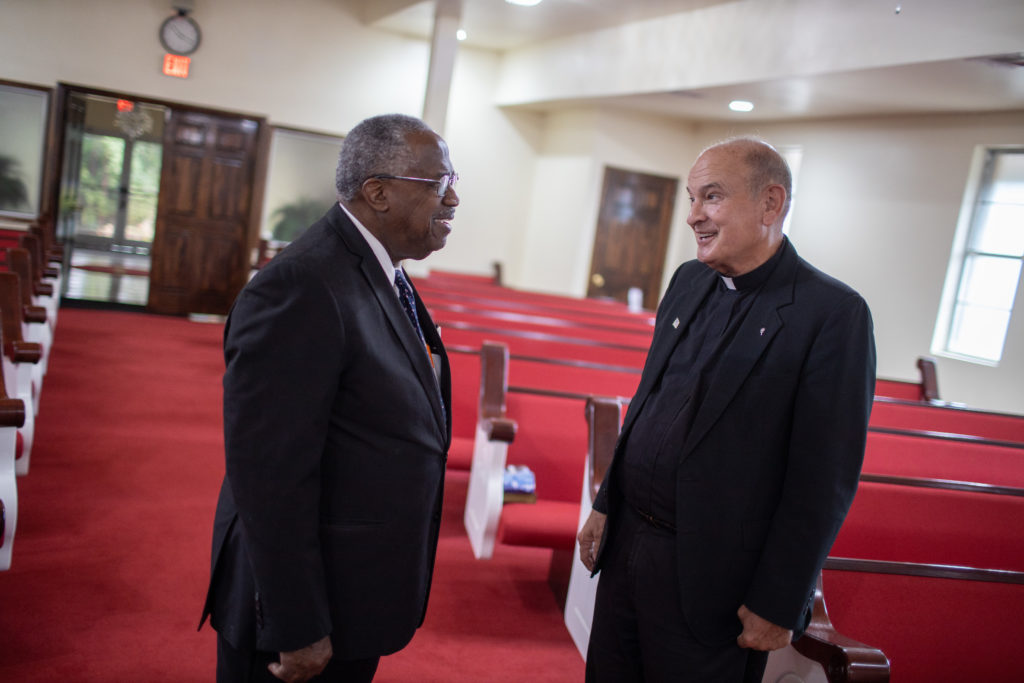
(520, 484)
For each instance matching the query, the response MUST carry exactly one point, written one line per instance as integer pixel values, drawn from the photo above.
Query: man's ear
(375, 194)
(774, 200)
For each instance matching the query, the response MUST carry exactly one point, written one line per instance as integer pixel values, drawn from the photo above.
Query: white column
(443, 47)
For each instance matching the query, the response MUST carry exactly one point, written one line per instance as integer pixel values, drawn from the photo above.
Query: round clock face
(180, 34)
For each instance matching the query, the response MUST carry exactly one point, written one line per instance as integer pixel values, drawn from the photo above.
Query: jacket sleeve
(826, 451)
(284, 346)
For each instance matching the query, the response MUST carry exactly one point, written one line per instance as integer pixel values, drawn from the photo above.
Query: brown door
(632, 234)
(200, 257)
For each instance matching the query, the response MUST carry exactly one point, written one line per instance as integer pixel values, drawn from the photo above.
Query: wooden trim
(172, 104)
(432, 292)
(947, 436)
(493, 380)
(941, 405)
(931, 571)
(539, 336)
(604, 420)
(528, 319)
(461, 348)
(945, 484)
(550, 393)
(260, 168)
(572, 362)
(929, 378)
(567, 362)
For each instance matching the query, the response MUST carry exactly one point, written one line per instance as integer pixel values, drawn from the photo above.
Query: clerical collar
(758, 276)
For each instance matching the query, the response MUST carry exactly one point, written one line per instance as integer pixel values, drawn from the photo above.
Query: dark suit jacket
(771, 463)
(335, 440)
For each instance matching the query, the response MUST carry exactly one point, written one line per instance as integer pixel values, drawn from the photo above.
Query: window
(985, 267)
(300, 185)
(22, 137)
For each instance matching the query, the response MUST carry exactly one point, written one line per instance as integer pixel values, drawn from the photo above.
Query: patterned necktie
(408, 303)
(409, 306)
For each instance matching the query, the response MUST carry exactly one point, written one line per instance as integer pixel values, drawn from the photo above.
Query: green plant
(291, 220)
(13, 192)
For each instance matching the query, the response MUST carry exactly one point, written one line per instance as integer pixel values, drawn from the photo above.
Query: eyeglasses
(446, 181)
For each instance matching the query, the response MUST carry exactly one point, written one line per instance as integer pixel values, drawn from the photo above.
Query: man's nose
(451, 197)
(696, 214)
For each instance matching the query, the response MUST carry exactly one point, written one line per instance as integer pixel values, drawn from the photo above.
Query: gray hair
(375, 146)
(766, 165)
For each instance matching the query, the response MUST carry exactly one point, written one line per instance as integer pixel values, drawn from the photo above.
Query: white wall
(578, 145)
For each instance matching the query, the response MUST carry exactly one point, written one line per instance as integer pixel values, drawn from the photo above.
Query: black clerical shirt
(652, 448)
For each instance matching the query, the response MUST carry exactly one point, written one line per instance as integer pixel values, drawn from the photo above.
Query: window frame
(978, 182)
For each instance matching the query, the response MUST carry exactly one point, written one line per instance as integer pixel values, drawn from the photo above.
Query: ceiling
(961, 85)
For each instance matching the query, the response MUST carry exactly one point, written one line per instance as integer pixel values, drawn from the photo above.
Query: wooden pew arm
(929, 379)
(499, 429)
(24, 352)
(34, 314)
(12, 412)
(844, 660)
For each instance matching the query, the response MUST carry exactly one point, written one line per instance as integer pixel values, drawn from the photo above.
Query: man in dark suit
(337, 424)
(740, 453)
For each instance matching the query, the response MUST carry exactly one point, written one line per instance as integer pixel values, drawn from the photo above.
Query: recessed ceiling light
(460, 34)
(741, 105)
(523, 3)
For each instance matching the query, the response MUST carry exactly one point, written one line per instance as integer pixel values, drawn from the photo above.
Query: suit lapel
(385, 295)
(753, 337)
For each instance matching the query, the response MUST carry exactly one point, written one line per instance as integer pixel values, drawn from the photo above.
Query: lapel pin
(762, 331)
(675, 323)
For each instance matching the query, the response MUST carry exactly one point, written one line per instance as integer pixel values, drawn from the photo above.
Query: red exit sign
(176, 65)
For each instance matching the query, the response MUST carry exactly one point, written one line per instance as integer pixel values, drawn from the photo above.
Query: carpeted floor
(112, 549)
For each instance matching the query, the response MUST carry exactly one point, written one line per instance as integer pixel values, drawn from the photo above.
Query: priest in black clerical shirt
(740, 452)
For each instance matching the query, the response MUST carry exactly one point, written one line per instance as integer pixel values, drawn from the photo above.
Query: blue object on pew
(519, 479)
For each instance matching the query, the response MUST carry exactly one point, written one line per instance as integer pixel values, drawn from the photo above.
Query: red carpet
(112, 548)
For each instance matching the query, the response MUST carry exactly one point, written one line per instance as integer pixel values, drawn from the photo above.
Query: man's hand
(761, 634)
(301, 665)
(590, 538)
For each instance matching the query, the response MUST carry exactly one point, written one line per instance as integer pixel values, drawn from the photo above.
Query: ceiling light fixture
(523, 3)
(741, 105)
(460, 34)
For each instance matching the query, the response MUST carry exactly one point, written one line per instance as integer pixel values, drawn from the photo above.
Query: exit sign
(176, 65)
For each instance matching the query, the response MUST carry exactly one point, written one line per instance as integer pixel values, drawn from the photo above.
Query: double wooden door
(200, 255)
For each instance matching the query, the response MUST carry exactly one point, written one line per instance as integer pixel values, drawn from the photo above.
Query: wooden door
(200, 256)
(632, 235)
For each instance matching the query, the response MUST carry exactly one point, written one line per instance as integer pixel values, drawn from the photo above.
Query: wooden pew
(20, 361)
(35, 313)
(12, 417)
(945, 418)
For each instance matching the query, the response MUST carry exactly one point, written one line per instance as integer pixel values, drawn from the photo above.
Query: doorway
(113, 155)
(632, 234)
(158, 202)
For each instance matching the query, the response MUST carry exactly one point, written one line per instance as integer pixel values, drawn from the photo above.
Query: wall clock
(179, 34)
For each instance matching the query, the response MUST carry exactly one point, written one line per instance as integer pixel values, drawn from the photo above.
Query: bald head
(739, 195)
(763, 163)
